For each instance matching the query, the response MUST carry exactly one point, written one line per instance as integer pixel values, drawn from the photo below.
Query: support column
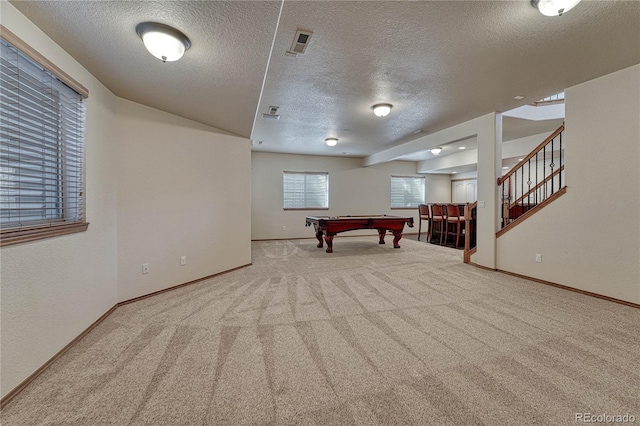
(489, 169)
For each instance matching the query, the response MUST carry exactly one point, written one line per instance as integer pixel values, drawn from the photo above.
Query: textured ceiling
(439, 63)
(217, 82)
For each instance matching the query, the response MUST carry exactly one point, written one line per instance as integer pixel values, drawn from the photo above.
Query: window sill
(32, 233)
(307, 208)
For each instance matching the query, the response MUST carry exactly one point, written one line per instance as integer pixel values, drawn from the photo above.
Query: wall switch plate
(284, 228)
(538, 258)
(183, 260)
(145, 268)
(481, 204)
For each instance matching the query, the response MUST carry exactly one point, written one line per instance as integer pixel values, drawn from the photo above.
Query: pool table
(329, 226)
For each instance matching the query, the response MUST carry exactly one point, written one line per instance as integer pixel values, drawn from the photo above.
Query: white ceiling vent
(300, 42)
(273, 113)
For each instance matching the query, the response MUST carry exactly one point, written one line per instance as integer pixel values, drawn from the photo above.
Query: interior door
(471, 191)
(464, 191)
(458, 194)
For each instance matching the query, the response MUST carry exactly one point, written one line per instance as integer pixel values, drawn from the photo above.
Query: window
(305, 190)
(41, 149)
(550, 100)
(407, 191)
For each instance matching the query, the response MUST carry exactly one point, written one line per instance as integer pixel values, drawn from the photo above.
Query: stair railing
(535, 178)
(470, 211)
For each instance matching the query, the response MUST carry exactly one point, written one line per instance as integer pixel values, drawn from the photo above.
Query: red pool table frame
(328, 227)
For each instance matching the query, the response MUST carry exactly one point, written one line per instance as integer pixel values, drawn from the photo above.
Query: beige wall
(438, 189)
(353, 190)
(489, 134)
(183, 190)
(158, 187)
(590, 237)
(55, 288)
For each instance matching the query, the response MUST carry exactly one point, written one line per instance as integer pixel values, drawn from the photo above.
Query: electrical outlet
(284, 228)
(183, 260)
(145, 268)
(538, 258)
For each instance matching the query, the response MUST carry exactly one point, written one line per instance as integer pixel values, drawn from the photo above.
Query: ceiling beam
(452, 134)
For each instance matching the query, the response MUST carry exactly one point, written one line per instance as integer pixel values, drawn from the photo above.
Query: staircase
(536, 181)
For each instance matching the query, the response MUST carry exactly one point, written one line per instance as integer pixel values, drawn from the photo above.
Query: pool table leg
(381, 234)
(329, 240)
(396, 237)
(319, 237)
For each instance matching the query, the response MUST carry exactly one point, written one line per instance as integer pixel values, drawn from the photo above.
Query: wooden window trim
(33, 233)
(16, 235)
(18, 43)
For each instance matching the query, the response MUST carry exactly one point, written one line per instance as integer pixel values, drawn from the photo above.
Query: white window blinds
(41, 145)
(407, 191)
(305, 190)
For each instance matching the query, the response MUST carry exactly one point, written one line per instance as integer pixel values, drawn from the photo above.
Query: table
(329, 226)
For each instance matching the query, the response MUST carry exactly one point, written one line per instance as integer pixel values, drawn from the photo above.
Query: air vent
(272, 114)
(300, 42)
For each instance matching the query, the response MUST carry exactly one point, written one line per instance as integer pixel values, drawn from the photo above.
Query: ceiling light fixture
(554, 7)
(436, 150)
(462, 147)
(382, 110)
(331, 141)
(162, 41)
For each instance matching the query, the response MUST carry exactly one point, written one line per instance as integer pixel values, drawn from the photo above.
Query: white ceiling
(439, 63)
(513, 128)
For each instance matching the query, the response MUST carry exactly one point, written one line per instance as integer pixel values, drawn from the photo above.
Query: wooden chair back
(423, 211)
(453, 211)
(437, 210)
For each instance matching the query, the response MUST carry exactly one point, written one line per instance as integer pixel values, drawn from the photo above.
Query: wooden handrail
(531, 155)
(467, 233)
(531, 212)
(467, 210)
(535, 188)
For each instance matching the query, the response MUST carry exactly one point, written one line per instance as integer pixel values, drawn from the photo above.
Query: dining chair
(425, 214)
(454, 219)
(438, 218)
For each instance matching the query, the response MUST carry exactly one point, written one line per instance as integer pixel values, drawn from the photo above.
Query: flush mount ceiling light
(382, 110)
(462, 147)
(162, 41)
(331, 141)
(554, 7)
(436, 150)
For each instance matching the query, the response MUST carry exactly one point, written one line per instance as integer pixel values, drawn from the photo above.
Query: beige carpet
(367, 335)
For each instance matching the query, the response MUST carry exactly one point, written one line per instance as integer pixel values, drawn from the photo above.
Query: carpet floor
(367, 335)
